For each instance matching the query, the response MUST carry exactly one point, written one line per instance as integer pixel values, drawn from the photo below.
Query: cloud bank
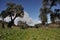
(26, 18)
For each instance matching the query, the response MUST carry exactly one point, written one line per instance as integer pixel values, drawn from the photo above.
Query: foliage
(48, 4)
(12, 10)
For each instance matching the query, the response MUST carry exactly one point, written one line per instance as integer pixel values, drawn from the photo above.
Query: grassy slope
(30, 34)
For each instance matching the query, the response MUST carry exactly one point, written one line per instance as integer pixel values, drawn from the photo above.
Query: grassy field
(30, 34)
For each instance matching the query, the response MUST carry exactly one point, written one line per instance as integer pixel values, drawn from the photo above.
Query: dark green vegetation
(12, 10)
(30, 34)
(46, 9)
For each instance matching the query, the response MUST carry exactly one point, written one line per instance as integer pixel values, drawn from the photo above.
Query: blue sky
(30, 6)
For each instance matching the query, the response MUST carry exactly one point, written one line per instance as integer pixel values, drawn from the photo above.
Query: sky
(30, 6)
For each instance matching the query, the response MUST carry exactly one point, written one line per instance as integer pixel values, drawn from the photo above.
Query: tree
(4, 14)
(55, 14)
(20, 10)
(54, 3)
(50, 3)
(47, 5)
(19, 13)
(7, 12)
(44, 11)
(43, 14)
(12, 10)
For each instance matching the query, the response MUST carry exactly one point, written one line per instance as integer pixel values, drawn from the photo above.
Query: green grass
(30, 34)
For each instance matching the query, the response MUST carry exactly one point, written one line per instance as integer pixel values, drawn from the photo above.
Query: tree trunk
(43, 22)
(3, 23)
(11, 22)
(52, 18)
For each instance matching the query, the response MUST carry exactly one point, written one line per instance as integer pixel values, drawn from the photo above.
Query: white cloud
(7, 19)
(26, 19)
